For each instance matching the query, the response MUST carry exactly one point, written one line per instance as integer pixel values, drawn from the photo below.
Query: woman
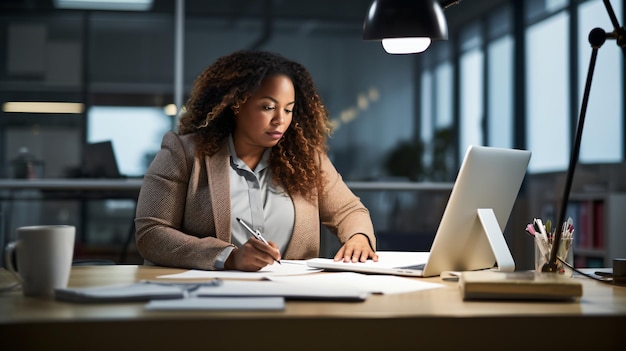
(252, 146)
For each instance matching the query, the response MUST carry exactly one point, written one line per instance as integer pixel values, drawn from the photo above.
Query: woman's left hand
(356, 249)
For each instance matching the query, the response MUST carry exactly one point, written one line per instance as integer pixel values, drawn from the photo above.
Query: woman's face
(265, 117)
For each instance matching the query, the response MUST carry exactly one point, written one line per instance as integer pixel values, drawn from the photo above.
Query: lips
(275, 135)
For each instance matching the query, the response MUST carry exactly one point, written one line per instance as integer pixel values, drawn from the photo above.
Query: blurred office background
(511, 75)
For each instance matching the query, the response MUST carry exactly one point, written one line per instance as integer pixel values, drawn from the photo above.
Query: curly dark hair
(227, 84)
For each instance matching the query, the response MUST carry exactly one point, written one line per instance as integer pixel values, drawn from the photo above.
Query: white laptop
(469, 236)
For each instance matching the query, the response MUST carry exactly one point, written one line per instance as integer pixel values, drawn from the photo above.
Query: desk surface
(436, 318)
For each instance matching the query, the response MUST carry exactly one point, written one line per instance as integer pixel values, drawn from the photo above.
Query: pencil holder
(542, 255)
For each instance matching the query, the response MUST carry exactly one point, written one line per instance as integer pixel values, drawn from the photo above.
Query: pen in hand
(255, 234)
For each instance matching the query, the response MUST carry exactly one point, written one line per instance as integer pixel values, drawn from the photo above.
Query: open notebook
(469, 236)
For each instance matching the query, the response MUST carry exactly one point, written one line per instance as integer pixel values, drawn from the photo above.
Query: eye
(268, 108)
(288, 110)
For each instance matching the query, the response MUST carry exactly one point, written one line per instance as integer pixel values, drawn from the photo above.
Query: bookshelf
(600, 227)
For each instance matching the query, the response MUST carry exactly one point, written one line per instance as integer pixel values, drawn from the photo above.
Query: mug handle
(9, 254)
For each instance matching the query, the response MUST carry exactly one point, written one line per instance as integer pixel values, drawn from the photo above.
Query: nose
(279, 117)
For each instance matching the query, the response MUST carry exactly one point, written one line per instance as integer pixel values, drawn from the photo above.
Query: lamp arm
(447, 3)
(619, 32)
(597, 37)
(551, 264)
(609, 10)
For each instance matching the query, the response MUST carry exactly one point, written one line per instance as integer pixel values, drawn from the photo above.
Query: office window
(602, 137)
(471, 90)
(426, 125)
(436, 113)
(536, 9)
(500, 90)
(547, 108)
(500, 80)
(443, 85)
(135, 133)
(444, 163)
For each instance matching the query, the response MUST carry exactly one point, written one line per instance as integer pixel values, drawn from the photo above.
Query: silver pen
(255, 234)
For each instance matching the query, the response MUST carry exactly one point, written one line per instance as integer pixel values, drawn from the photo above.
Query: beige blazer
(183, 211)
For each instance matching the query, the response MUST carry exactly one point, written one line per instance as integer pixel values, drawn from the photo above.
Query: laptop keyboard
(415, 267)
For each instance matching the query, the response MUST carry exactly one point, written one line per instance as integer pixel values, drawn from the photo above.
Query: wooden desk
(432, 319)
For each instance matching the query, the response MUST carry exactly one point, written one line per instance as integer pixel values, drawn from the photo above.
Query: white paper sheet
(219, 304)
(288, 267)
(375, 284)
(296, 290)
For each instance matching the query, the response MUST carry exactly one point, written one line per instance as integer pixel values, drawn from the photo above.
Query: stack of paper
(287, 290)
(170, 296)
(220, 304)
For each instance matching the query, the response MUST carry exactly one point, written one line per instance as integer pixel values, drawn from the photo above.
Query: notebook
(487, 184)
(488, 285)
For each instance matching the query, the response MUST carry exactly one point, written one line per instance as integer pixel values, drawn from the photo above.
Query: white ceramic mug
(44, 258)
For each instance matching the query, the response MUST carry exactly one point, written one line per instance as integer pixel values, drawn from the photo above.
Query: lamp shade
(403, 20)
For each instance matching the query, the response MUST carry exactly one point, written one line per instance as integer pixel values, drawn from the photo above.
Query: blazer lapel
(219, 186)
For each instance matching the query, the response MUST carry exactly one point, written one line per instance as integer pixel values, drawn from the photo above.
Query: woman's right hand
(252, 256)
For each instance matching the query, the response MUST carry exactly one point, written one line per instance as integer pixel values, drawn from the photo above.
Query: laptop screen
(489, 178)
(99, 161)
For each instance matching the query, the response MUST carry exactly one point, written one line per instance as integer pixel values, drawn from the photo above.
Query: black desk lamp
(597, 37)
(406, 26)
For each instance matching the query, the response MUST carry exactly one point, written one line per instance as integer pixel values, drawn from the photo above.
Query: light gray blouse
(260, 203)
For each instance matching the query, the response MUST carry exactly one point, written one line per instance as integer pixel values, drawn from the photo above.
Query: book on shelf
(598, 224)
(580, 261)
(589, 218)
(523, 285)
(584, 230)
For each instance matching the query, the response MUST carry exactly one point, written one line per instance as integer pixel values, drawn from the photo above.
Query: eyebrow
(276, 101)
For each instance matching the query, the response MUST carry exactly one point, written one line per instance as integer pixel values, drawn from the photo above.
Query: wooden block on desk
(493, 285)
